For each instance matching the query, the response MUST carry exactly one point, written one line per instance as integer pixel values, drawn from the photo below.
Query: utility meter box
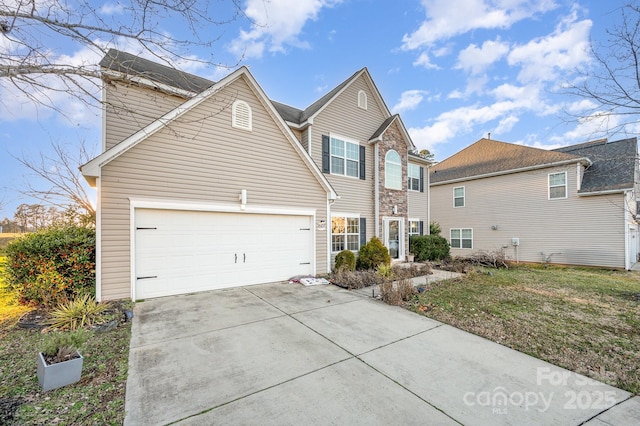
(515, 241)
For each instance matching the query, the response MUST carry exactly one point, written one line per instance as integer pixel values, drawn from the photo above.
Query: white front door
(394, 237)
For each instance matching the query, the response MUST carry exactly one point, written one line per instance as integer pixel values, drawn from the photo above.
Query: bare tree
(67, 188)
(612, 87)
(21, 217)
(30, 30)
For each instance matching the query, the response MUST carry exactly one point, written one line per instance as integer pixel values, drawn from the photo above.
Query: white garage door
(185, 251)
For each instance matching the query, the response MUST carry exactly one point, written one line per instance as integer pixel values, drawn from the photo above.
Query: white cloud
(409, 100)
(111, 8)
(448, 18)
(276, 24)
(544, 58)
(474, 59)
(425, 61)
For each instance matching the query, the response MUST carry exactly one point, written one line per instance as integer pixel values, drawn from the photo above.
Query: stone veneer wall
(393, 139)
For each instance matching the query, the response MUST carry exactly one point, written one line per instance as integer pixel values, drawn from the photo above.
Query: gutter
(116, 75)
(606, 192)
(583, 160)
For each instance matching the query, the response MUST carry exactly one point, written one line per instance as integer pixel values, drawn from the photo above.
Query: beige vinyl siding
(579, 230)
(129, 108)
(418, 202)
(202, 158)
(343, 117)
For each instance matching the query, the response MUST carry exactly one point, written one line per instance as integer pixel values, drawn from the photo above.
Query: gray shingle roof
(614, 164)
(127, 63)
(488, 156)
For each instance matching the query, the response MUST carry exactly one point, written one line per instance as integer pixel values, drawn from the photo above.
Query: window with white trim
(392, 170)
(557, 185)
(362, 99)
(241, 115)
(413, 177)
(345, 157)
(461, 238)
(345, 233)
(458, 196)
(414, 227)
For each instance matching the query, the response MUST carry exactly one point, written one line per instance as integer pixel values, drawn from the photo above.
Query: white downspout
(99, 238)
(627, 259)
(428, 201)
(376, 189)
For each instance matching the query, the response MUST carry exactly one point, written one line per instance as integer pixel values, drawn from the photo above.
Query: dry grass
(397, 293)
(587, 321)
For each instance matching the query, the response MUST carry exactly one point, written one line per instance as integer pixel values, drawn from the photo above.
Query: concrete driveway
(281, 353)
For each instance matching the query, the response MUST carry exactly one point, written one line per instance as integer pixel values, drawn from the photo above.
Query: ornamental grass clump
(81, 312)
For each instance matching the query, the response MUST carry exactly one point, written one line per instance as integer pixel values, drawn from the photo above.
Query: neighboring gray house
(205, 185)
(575, 205)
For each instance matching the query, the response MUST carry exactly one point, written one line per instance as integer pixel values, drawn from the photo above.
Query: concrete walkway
(285, 354)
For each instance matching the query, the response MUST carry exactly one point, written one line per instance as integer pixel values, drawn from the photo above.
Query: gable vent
(241, 115)
(362, 100)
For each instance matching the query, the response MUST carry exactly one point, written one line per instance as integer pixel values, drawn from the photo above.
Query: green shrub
(428, 247)
(52, 266)
(434, 228)
(372, 255)
(346, 260)
(59, 347)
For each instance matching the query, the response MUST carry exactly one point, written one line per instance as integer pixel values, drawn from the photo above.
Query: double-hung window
(345, 157)
(458, 196)
(557, 185)
(345, 233)
(414, 227)
(414, 177)
(461, 238)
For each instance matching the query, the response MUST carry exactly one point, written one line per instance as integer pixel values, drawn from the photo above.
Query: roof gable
(377, 135)
(489, 157)
(91, 170)
(613, 165)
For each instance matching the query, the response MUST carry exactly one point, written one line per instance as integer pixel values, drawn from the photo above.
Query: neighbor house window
(414, 227)
(458, 196)
(362, 100)
(414, 177)
(241, 115)
(345, 157)
(345, 233)
(461, 238)
(392, 170)
(557, 185)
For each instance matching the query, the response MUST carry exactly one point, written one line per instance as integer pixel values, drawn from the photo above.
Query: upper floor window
(345, 157)
(362, 100)
(458, 196)
(557, 185)
(241, 115)
(392, 170)
(415, 176)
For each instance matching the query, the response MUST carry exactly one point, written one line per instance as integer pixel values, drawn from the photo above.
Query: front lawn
(587, 321)
(97, 399)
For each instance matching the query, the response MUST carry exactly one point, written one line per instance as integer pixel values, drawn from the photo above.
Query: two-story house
(204, 185)
(575, 205)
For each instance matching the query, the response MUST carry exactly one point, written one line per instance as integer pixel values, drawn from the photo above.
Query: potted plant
(60, 362)
(410, 257)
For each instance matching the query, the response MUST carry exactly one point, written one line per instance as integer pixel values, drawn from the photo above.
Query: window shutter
(421, 224)
(421, 184)
(326, 157)
(362, 163)
(363, 231)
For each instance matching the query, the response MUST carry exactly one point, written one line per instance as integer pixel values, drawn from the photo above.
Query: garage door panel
(188, 251)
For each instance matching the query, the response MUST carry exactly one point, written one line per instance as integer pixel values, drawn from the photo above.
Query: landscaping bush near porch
(428, 247)
(585, 320)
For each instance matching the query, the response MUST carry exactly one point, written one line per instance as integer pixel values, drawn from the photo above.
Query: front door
(394, 240)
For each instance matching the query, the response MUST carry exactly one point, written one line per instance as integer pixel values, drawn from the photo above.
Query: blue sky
(454, 69)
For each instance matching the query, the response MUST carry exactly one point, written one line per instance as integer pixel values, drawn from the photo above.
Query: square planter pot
(53, 376)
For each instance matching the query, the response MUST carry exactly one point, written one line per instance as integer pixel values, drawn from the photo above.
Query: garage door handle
(244, 257)
(145, 228)
(146, 278)
(236, 258)
(305, 263)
